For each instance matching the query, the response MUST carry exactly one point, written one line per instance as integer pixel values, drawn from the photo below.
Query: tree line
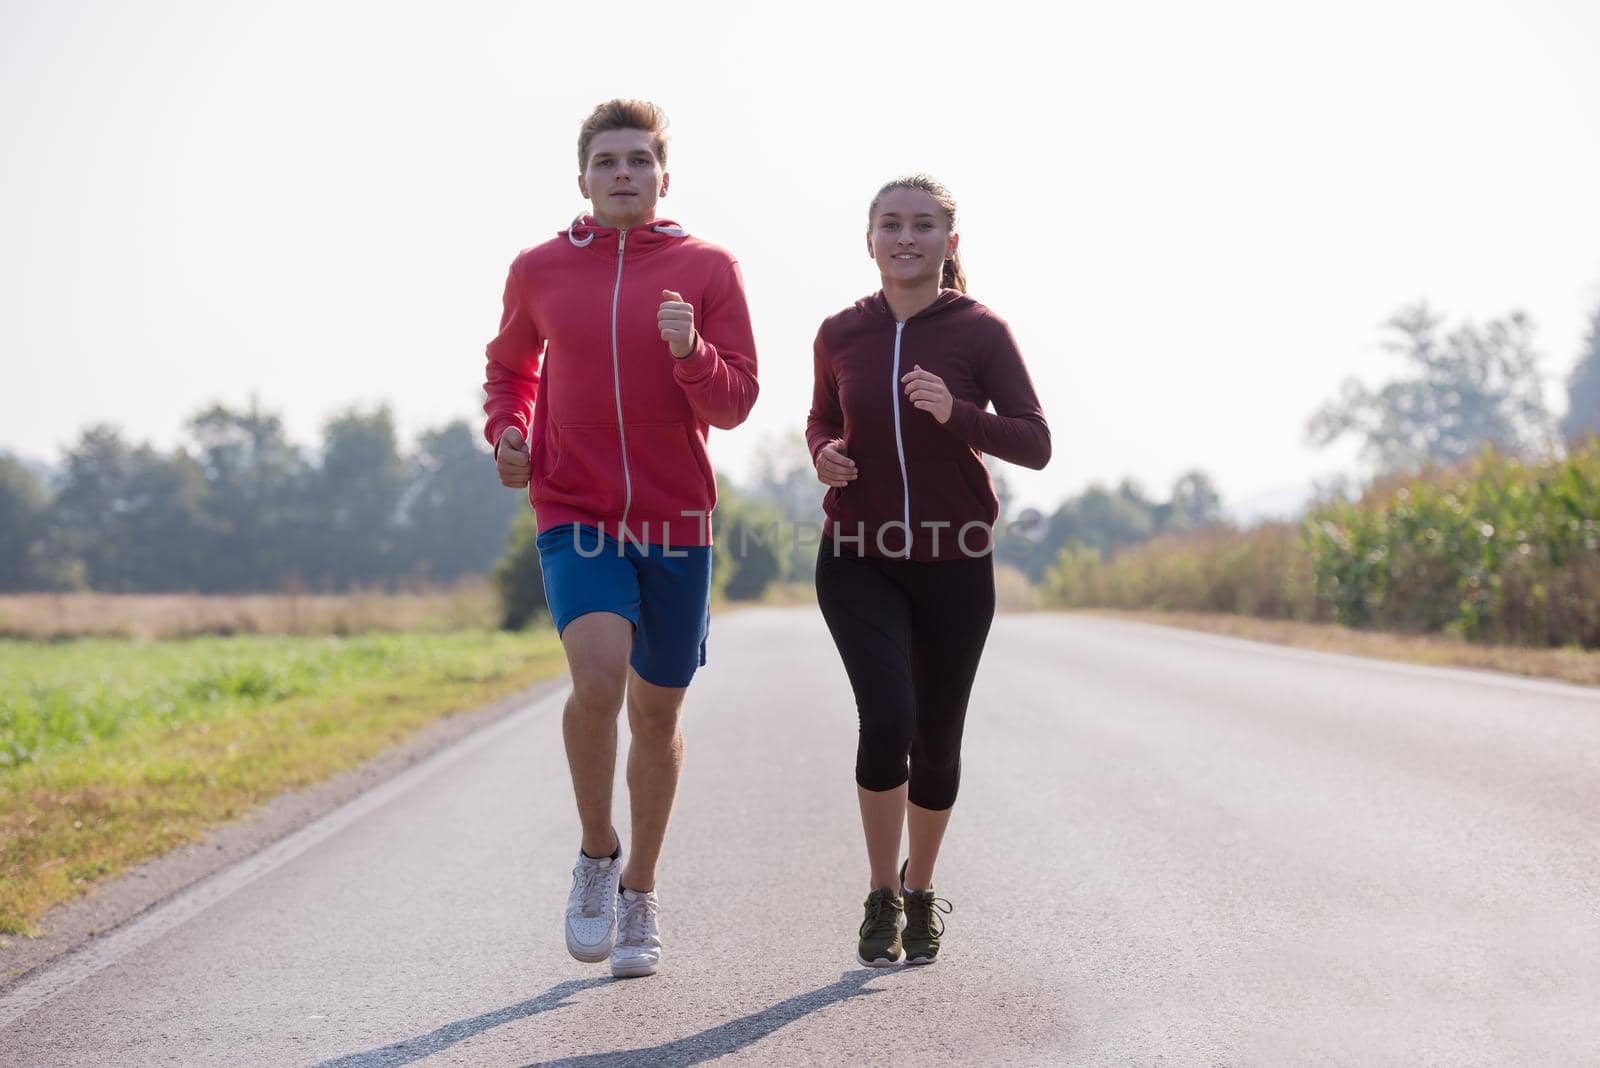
(237, 507)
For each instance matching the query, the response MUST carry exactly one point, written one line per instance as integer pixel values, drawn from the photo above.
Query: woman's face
(910, 238)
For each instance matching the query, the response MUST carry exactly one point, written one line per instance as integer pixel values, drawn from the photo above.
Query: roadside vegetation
(116, 751)
(1493, 551)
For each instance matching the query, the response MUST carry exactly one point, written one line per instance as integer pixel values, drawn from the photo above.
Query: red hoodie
(619, 426)
(912, 472)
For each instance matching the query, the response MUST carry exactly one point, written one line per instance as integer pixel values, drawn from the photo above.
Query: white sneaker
(638, 949)
(592, 908)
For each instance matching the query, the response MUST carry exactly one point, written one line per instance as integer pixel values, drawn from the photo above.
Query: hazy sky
(1195, 216)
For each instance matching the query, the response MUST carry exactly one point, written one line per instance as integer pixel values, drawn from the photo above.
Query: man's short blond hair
(624, 115)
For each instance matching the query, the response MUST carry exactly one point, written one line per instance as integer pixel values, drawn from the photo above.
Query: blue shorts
(664, 592)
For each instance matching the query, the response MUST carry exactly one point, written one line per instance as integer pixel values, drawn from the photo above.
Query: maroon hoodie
(913, 473)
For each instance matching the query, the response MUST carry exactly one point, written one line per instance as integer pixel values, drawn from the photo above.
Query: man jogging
(624, 339)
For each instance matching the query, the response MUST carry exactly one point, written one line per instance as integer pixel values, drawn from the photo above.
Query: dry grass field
(1578, 666)
(53, 616)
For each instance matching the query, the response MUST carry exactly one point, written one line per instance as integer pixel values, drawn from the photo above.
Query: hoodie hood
(948, 300)
(584, 230)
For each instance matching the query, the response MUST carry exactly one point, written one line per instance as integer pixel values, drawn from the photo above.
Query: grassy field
(115, 751)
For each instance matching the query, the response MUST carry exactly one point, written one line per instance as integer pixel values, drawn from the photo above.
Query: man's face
(623, 179)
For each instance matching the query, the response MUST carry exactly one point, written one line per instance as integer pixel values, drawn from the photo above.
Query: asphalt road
(1170, 848)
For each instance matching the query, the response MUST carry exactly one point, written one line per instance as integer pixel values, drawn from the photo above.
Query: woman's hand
(928, 392)
(834, 468)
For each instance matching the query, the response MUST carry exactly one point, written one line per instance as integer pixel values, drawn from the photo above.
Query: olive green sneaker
(923, 925)
(880, 931)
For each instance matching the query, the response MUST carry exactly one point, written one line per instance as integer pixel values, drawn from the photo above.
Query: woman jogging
(905, 578)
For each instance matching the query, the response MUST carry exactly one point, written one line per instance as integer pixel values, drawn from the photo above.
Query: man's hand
(511, 459)
(928, 392)
(834, 468)
(676, 319)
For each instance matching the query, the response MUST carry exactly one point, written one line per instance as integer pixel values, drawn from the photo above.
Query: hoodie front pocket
(670, 475)
(585, 470)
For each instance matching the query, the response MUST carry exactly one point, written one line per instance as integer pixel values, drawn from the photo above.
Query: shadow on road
(734, 1035)
(708, 1044)
(415, 1049)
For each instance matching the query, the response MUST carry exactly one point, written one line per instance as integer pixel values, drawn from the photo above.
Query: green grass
(112, 752)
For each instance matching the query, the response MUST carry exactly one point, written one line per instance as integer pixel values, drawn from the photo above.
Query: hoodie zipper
(899, 442)
(616, 379)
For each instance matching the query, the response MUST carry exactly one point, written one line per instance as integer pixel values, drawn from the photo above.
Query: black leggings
(910, 636)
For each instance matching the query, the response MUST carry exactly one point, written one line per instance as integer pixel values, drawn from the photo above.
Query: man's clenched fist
(512, 460)
(676, 319)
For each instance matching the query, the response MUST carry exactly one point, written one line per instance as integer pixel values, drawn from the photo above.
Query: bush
(1494, 550)
(1259, 572)
(751, 563)
(749, 537)
(517, 577)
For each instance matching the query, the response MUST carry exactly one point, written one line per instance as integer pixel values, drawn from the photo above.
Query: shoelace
(923, 909)
(591, 889)
(636, 920)
(882, 916)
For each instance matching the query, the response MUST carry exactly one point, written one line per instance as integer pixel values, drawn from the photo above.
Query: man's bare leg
(655, 759)
(597, 646)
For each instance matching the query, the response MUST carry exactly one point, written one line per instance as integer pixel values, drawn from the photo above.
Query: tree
(355, 501)
(1195, 502)
(255, 502)
(1466, 390)
(1106, 520)
(158, 522)
(130, 515)
(1100, 521)
(80, 515)
(22, 510)
(518, 576)
(1583, 388)
(749, 534)
(455, 514)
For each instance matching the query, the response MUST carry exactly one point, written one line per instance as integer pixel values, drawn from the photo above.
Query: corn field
(1496, 551)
